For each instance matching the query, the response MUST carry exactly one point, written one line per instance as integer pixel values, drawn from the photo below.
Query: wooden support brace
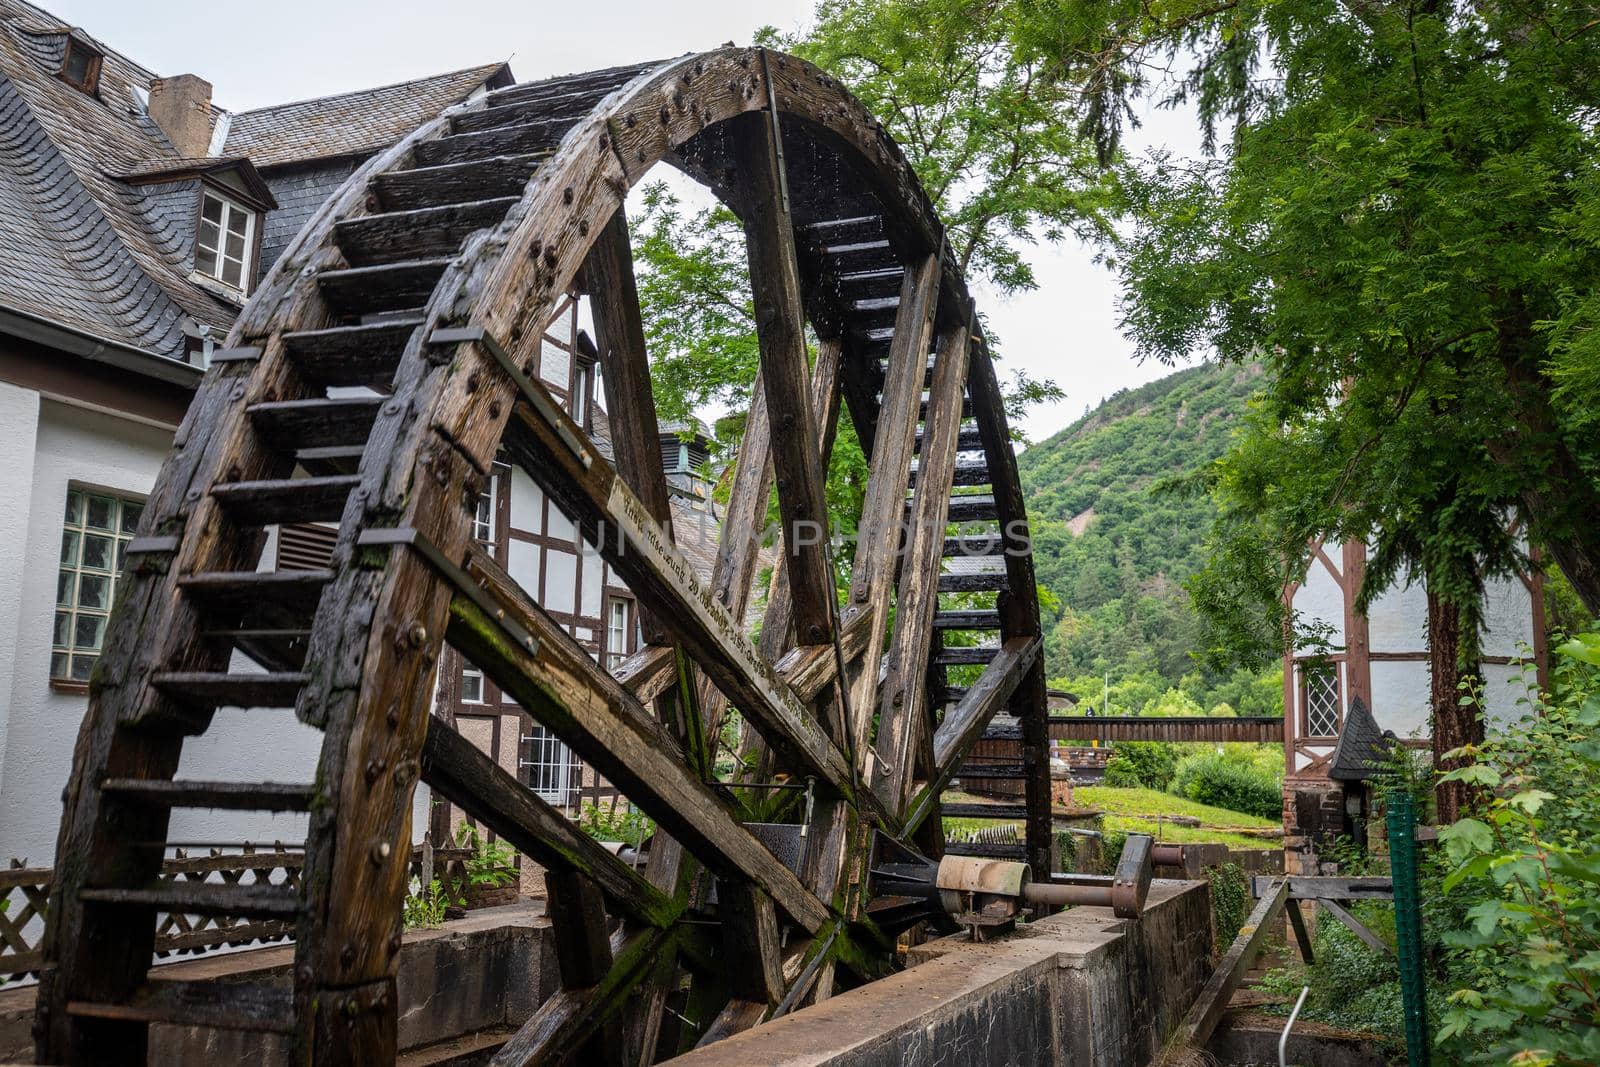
(1207, 1010)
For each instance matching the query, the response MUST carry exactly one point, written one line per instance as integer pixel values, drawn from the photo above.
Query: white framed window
(620, 630)
(483, 518)
(549, 767)
(1321, 684)
(94, 540)
(225, 245)
(582, 385)
(471, 685)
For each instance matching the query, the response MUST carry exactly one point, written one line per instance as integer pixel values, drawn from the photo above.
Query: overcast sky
(257, 54)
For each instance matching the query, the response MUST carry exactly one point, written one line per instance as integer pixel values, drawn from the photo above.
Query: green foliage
(1150, 803)
(1225, 780)
(694, 293)
(1141, 764)
(1230, 902)
(1525, 951)
(622, 823)
(1114, 533)
(490, 864)
(1402, 226)
(995, 143)
(425, 909)
(1353, 987)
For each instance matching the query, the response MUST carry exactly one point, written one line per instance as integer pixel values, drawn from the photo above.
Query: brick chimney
(181, 106)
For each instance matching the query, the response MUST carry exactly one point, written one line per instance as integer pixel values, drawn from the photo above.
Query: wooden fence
(25, 893)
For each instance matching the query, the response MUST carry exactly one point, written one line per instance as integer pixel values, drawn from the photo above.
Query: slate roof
(78, 247)
(1362, 746)
(352, 123)
(84, 242)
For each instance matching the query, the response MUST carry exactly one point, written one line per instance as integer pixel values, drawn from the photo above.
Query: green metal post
(1402, 822)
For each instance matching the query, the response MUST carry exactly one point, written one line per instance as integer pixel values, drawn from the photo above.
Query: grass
(1185, 835)
(1149, 802)
(1135, 811)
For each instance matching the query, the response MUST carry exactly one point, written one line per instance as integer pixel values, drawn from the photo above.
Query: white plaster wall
(72, 445)
(19, 433)
(1397, 621)
(1400, 696)
(1506, 691)
(1508, 618)
(1319, 600)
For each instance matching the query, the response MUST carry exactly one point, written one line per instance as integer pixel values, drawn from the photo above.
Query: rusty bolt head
(417, 635)
(375, 767)
(380, 852)
(474, 380)
(567, 195)
(347, 955)
(583, 227)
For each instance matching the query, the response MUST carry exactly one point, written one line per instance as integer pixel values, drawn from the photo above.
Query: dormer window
(80, 67)
(225, 247)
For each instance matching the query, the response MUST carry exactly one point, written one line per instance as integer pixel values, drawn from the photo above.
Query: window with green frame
(94, 539)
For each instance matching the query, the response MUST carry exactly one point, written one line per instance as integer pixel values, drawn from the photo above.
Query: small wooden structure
(428, 280)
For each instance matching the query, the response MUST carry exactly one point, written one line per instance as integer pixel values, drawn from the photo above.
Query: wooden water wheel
(428, 279)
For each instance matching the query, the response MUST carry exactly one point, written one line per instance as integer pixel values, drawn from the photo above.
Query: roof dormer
(80, 64)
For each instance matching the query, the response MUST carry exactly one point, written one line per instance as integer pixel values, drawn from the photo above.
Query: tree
(1401, 225)
(995, 143)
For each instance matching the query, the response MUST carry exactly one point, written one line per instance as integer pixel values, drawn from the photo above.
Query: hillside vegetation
(1114, 542)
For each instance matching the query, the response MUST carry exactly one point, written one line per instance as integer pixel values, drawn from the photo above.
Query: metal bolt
(417, 635)
(567, 195)
(375, 767)
(348, 955)
(380, 852)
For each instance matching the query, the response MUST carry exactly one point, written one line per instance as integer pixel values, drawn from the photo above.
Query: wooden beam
(964, 724)
(883, 510)
(1357, 927)
(583, 951)
(1207, 1010)
(1018, 603)
(1316, 887)
(1302, 936)
(565, 1021)
(904, 694)
(630, 402)
(456, 769)
(780, 329)
(557, 454)
(573, 697)
(750, 942)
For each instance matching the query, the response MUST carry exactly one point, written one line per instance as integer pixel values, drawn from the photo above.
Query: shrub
(1525, 954)
(1225, 782)
(1141, 765)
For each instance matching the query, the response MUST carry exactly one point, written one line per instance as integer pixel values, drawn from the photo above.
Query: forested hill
(1113, 551)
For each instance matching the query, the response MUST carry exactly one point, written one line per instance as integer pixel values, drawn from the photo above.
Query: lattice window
(95, 536)
(1321, 701)
(483, 517)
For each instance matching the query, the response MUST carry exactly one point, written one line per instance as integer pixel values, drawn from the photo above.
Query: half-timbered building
(1354, 678)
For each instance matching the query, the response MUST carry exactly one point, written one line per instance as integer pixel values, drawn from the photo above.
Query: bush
(1227, 782)
(1524, 956)
(1141, 765)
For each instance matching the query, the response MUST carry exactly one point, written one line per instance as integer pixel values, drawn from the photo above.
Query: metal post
(1283, 1042)
(1408, 923)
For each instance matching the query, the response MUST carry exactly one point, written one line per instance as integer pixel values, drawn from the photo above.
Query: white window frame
(483, 532)
(553, 771)
(230, 208)
(617, 637)
(582, 387)
(469, 671)
(73, 578)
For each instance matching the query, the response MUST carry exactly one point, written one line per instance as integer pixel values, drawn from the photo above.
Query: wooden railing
(25, 892)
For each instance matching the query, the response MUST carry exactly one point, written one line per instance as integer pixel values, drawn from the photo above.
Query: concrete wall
(1082, 988)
